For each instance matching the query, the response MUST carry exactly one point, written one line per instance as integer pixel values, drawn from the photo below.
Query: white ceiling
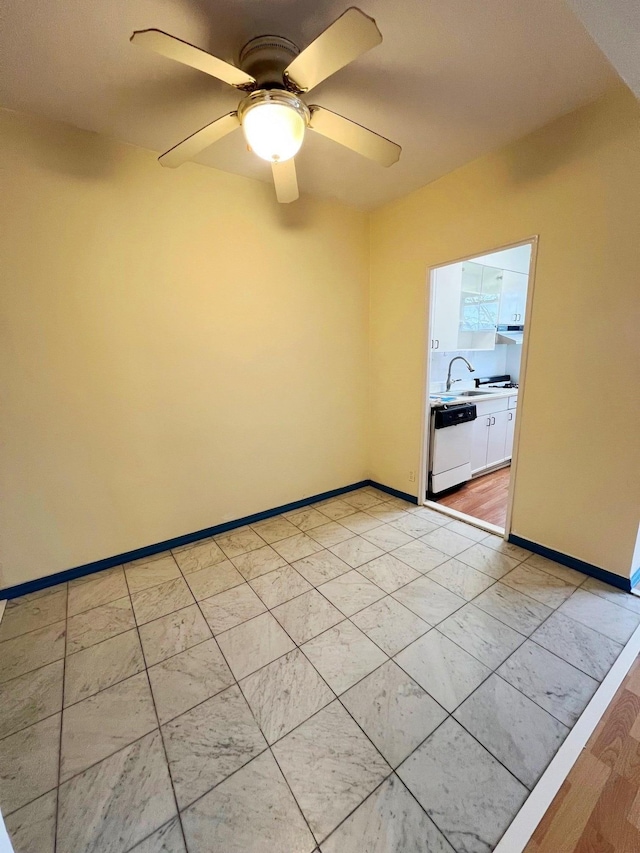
(452, 79)
(615, 27)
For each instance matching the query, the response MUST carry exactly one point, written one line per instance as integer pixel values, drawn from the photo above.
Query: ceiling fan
(274, 74)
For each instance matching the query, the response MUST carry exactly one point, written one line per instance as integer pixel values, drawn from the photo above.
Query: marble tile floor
(360, 676)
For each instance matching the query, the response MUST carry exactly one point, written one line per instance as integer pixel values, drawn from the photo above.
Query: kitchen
(477, 322)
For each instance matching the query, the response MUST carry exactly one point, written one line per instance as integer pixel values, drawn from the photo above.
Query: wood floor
(597, 809)
(485, 497)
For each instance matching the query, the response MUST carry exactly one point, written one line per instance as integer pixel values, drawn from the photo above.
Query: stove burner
(505, 385)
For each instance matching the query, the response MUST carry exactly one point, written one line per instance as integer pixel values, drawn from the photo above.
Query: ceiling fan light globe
(273, 122)
(274, 132)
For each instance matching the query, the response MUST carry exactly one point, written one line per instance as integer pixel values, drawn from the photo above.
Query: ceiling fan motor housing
(266, 58)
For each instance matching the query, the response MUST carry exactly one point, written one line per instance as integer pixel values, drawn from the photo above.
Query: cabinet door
(479, 304)
(446, 285)
(497, 437)
(511, 423)
(481, 427)
(513, 299)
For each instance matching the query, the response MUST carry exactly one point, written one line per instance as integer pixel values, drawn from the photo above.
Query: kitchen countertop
(494, 394)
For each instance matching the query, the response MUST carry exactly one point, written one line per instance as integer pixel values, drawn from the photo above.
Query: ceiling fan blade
(285, 180)
(198, 141)
(188, 54)
(354, 136)
(347, 38)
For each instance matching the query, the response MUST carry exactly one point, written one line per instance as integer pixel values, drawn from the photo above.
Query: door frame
(426, 406)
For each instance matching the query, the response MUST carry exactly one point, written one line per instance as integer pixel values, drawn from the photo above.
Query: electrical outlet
(412, 476)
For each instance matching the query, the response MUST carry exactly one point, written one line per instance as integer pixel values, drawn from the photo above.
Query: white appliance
(451, 444)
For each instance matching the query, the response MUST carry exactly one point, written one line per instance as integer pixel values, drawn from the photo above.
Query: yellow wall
(575, 183)
(177, 350)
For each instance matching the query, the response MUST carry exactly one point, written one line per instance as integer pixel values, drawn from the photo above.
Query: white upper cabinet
(447, 283)
(479, 304)
(471, 299)
(513, 300)
(466, 298)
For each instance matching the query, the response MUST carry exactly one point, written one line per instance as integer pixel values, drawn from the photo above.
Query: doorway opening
(479, 314)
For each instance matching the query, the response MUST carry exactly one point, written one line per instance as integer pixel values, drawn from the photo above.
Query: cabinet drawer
(513, 402)
(489, 407)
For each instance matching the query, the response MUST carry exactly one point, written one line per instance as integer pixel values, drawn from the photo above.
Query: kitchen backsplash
(501, 360)
(514, 356)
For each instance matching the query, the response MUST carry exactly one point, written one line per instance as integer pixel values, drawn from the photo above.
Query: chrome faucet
(450, 381)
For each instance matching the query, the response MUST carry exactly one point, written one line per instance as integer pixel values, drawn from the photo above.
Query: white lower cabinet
(497, 439)
(511, 425)
(493, 428)
(480, 442)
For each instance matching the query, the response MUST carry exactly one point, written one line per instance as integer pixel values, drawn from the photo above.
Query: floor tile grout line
(568, 727)
(221, 781)
(146, 668)
(151, 834)
(110, 755)
(409, 511)
(55, 788)
(299, 725)
(495, 671)
(237, 684)
(530, 636)
(391, 657)
(425, 574)
(40, 719)
(115, 683)
(117, 634)
(90, 580)
(31, 671)
(64, 674)
(159, 729)
(553, 609)
(337, 696)
(75, 775)
(33, 630)
(409, 789)
(585, 578)
(234, 683)
(496, 580)
(377, 788)
(450, 715)
(286, 781)
(175, 654)
(83, 613)
(486, 748)
(348, 618)
(269, 745)
(492, 672)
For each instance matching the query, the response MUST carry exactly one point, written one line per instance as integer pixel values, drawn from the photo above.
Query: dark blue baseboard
(176, 542)
(412, 499)
(574, 563)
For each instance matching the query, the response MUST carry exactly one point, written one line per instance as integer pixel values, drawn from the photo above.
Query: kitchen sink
(474, 393)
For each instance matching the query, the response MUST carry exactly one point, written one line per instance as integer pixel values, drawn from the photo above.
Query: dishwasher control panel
(454, 415)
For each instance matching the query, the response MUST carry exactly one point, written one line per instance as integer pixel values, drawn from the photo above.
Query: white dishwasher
(451, 440)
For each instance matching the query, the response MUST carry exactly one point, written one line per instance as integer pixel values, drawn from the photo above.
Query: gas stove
(503, 381)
